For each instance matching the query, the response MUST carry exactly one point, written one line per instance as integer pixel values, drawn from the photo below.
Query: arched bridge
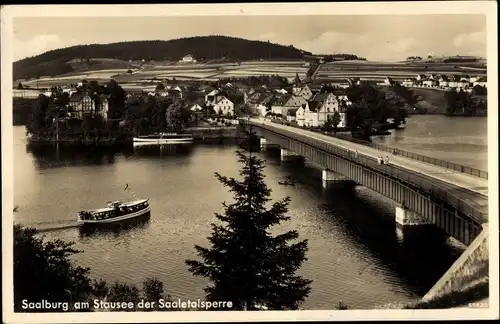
(451, 199)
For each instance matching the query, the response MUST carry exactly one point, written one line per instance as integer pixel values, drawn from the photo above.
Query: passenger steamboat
(115, 211)
(163, 138)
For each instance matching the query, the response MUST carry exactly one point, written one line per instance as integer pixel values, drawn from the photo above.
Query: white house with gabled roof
(224, 106)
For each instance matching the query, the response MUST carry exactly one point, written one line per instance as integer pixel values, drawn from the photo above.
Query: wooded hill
(55, 62)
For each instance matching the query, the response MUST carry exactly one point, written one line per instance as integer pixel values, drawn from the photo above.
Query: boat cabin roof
(132, 203)
(127, 204)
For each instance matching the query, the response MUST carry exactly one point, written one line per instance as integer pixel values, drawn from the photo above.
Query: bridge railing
(403, 175)
(414, 156)
(419, 157)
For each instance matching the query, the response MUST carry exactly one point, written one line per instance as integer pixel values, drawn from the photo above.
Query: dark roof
(254, 97)
(444, 78)
(265, 99)
(292, 112)
(314, 105)
(77, 97)
(280, 100)
(320, 97)
(172, 92)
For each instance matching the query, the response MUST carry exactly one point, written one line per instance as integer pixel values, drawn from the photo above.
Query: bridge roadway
(472, 190)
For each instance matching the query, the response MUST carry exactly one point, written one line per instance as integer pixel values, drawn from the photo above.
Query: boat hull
(138, 140)
(117, 219)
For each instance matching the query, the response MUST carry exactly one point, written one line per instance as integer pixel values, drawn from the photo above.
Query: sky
(375, 37)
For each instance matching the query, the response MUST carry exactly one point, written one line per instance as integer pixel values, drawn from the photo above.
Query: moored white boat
(114, 212)
(164, 138)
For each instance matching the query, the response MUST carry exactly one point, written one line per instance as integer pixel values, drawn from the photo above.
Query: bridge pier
(265, 144)
(406, 217)
(329, 178)
(287, 155)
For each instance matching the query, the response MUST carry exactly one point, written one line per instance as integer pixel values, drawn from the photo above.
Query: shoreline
(199, 134)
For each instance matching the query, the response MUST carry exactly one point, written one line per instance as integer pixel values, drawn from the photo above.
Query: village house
(196, 107)
(324, 105)
(465, 78)
(281, 104)
(224, 106)
(463, 83)
(388, 81)
(264, 104)
(444, 81)
(409, 82)
(159, 92)
(454, 81)
(311, 116)
(212, 97)
(188, 59)
(300, 114)
(420, 77)
(255, 100)
(82, 104)
(473, 79)
(282, 91)
(69, 90)
(304, 92)
(291, 115)
(429, 83)
(480, 82)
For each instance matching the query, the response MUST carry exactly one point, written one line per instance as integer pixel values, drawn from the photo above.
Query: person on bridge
(387, 159)
(356, 153)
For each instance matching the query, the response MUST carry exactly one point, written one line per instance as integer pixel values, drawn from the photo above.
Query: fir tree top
(246, 264)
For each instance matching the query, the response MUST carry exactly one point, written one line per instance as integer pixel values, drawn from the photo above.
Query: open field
(169, 70)
(379, 70)
(333, 72)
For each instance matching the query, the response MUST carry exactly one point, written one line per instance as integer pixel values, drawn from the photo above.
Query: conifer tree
(246, 264)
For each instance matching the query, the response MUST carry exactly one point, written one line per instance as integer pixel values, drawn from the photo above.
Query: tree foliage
(332, 122)
(464, 104)
(177, 116)
(246, 264)
(126, 117)
(43, 270)
(371, 106)
(271, 81)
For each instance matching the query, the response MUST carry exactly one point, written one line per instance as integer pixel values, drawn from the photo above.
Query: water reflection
(54, 156)
(159, 151)
(419, 255)
(115, 229)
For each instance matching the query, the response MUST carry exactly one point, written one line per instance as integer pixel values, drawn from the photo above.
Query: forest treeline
(55, 62)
